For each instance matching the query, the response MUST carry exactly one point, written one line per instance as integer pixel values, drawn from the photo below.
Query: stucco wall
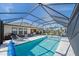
(8, 29)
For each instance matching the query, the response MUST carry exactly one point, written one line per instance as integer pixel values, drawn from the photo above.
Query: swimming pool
(45, 46)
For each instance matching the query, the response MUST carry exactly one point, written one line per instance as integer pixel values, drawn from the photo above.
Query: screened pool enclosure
(50, 18)
(39, 15)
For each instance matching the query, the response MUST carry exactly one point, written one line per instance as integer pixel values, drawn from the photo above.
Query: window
(25, 31)
(14, 30)
(21, 31)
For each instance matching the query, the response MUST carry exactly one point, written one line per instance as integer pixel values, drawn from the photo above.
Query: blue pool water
(41, 47)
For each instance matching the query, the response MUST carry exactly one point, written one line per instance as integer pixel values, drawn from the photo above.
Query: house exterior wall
(8, 29)
(28, 30)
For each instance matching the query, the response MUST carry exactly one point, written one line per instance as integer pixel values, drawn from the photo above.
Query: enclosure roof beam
(54, 10)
